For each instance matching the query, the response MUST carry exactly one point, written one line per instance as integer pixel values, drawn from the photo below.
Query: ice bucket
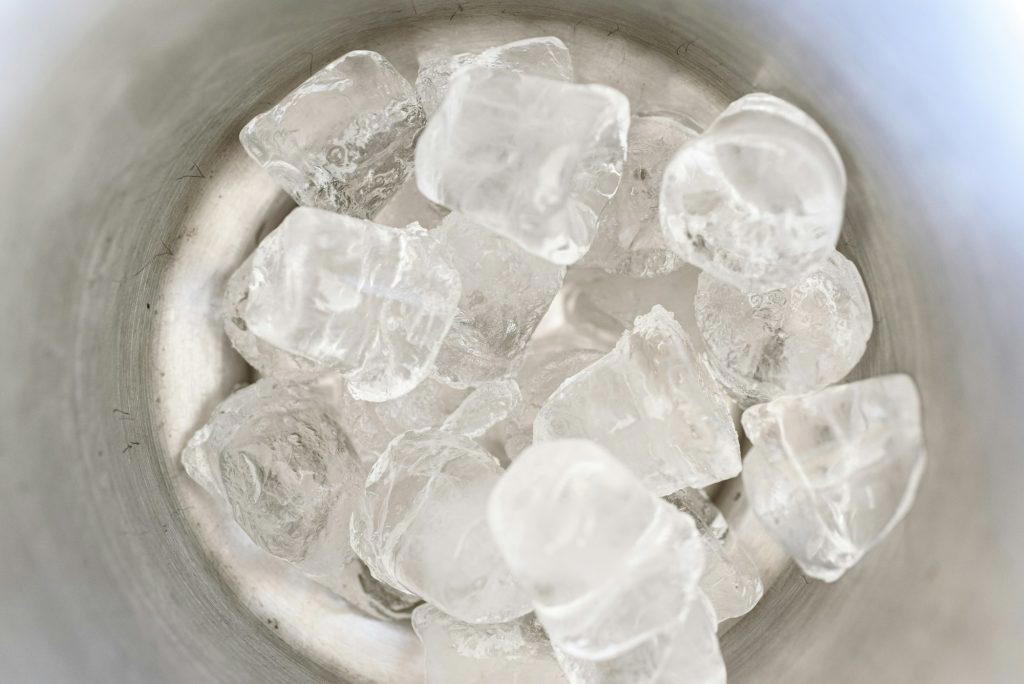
(124, 186)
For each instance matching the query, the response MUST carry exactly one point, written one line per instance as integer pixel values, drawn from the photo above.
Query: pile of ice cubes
(535, 501)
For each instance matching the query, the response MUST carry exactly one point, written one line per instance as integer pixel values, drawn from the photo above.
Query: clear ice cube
(530, 158)
(653, 403)
(547, 363)
(266, 358)
(606, 563)
(344, 139)
(421, 527)
(686, 652)
(798, 339)
(603, 305)
(831, 473)
(546, 56)
(276, 457)
(757, 200)
(505, 293)
(434, 76)
(336, 293)
(283, 464)
(515, 652)
(731, 580)
(485, 407)
(629, 237)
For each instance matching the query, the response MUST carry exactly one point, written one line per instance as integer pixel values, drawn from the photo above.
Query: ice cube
(547, 363)
(629, 238)
(336, 293)
(603, 305)
(757, 200)
(268, 359)
(788, 341)
(283, 464)
(344, 139)
(832, 472)
(731, 580)
(505, 293)
(546, 56)
(434, 76)
(530, 158)
(516, 652)
(371, 425)
(606, 563)
(687, 652)
(421, 527)
(276, 457)
(485, 407)
(652, 402)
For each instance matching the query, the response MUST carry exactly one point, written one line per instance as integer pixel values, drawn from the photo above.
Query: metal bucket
(128, 201)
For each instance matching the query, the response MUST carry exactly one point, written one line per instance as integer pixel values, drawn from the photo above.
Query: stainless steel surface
(124, 193)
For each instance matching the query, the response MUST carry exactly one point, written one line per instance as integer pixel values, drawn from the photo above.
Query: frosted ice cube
(788, 341)
(757, 200)
(603, 305)
(606, 563)
(652, 402)
(335, 293)
(371, 425)
(283, 464)
(434, 75)
(629, 237)
(516, 652)
(731, 580)
(407, 206)
(421, 527)
(548, 361)
(485, 407)
(687, 652)
(505, 293)
(274, 454)
(530, 158)
(832, 472)
(546, 56)
(344, 139)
